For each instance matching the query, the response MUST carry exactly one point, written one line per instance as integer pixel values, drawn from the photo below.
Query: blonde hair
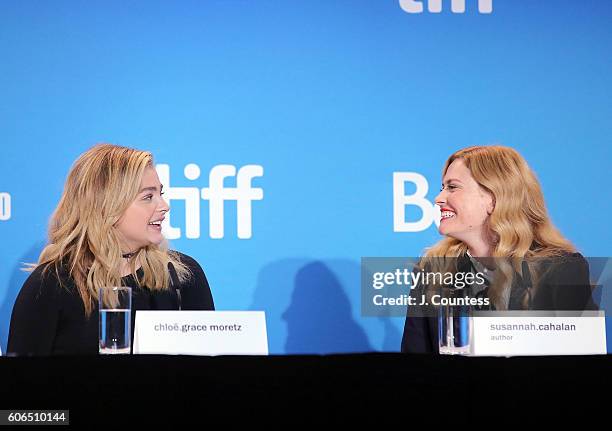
(83, 241)
(519, 224)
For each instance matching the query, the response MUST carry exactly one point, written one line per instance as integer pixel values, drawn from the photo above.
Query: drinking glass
(115, 320)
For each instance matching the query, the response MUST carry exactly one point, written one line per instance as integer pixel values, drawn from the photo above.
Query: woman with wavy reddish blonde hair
(493, 215)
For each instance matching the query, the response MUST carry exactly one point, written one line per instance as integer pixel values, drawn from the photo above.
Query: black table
(373, 387)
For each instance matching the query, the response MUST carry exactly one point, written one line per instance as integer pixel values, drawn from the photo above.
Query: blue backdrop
(327, 99)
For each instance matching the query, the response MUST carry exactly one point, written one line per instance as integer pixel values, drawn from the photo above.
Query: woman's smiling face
(464, 204)
(140, 225)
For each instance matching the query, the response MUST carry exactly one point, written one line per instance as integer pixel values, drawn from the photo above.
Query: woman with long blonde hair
(494, 219)
(105, 231)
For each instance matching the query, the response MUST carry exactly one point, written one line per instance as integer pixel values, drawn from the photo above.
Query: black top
(49, 319)
(564, 285)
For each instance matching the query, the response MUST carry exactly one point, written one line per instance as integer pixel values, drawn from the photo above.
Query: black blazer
(564, 286)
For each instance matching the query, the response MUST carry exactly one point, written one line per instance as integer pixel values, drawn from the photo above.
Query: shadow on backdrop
(393, 336)
(18, 277)
(272, 295)
(308, 309)
(319, 317)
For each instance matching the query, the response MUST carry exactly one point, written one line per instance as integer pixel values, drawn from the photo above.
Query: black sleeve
(195, 292)
(417, 331)
(566, 286)
(416, 337)
(35, 315)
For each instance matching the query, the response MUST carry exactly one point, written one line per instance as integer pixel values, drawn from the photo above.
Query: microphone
(174, 283)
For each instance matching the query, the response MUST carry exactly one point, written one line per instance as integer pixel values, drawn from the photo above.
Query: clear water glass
(115, 309)
(454, 325)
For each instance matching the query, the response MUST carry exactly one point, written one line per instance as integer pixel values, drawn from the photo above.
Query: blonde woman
(495, 222)
(105, 231)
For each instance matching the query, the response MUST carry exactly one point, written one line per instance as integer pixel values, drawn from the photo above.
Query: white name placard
(200, 333)
(528, 333)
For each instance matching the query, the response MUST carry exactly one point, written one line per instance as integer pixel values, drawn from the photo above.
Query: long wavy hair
(519, 225)
(84, 243)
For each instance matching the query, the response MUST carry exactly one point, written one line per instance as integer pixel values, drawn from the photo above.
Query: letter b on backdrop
(430, 212)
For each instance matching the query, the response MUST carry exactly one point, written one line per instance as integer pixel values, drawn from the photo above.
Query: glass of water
(115, 320)
(454, 324)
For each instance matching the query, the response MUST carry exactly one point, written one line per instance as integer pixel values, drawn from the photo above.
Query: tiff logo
(5, 206)
(216, 194)
(435, 6)
(431, 212)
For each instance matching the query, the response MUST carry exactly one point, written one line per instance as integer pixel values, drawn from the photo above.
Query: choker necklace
(128, 255)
